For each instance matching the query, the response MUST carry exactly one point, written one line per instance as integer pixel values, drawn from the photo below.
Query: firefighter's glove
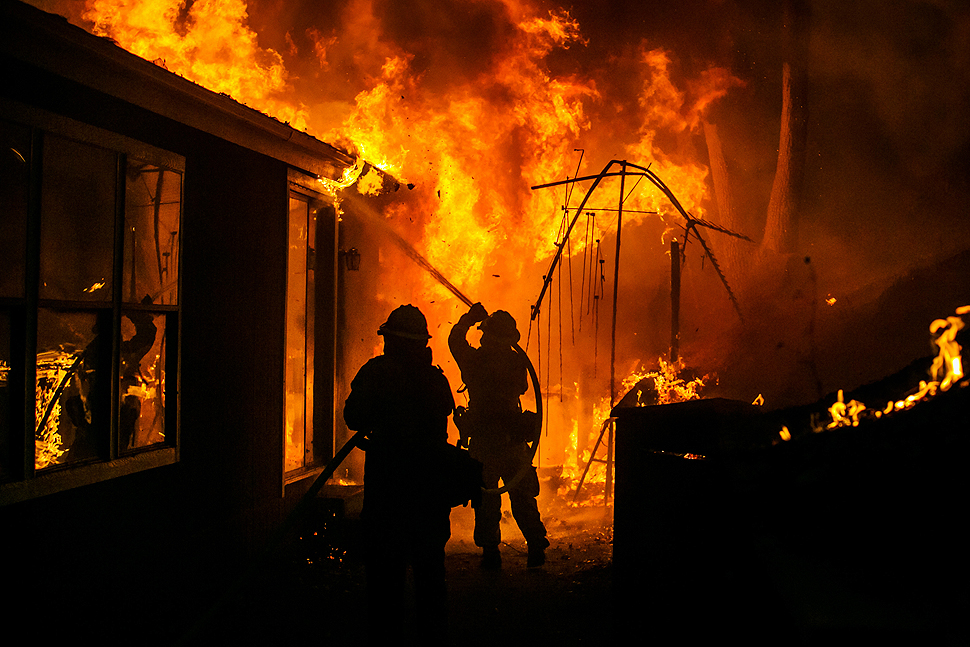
(477, 313)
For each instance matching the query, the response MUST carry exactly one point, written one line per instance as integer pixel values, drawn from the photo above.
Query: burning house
(167, 321)
(706, 224)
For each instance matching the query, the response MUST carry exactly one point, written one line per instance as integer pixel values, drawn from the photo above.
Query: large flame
(208, 42)
(471, 147)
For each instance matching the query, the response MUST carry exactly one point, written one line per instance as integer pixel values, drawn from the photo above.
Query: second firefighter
(496, 430)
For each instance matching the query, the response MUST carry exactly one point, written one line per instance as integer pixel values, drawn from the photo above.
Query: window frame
(323, 260)
(26, 482)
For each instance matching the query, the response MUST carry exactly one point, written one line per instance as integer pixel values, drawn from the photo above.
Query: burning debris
(945, 372)
(670, 382)
(53, 370)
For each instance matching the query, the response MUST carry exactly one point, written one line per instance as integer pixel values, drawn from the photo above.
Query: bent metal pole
(639, 171)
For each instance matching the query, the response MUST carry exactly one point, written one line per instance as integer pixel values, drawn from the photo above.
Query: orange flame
(472, 148)
(946, 370)
(211, 45)
(53, 367)
(668, 387)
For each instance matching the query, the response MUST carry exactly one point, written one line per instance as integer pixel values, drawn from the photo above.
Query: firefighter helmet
(501, 325)
(405, 321)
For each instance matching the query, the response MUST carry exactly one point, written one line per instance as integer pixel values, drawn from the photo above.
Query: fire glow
(946, 371)
(470, 148)
(469, 143)
(53, 368)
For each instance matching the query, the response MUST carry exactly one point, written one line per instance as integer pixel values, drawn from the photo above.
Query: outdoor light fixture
(351, 259)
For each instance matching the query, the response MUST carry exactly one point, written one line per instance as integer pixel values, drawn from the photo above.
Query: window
(89, 258)
(15, 143)
(310, 328)
(300, 284)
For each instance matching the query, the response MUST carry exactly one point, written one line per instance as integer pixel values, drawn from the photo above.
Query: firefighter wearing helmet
(495, 430)
(401, 401)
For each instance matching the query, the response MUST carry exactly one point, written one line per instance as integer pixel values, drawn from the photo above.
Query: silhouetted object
(497, 431)
(132, 382)
(401, 401)
(83, 376)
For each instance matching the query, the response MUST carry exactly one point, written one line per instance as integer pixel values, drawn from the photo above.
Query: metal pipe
(674, 300)
(616, 284)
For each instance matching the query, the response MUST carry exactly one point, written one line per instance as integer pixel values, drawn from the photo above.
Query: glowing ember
(845, 413)
(97, 286)
(948, 367)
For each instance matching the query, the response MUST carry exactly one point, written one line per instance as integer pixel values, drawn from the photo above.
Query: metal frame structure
(627, 169)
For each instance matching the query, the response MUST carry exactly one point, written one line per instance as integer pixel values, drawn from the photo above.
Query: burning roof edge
(50, 42)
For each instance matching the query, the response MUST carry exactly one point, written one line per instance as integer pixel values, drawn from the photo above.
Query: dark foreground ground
(853, 537)
(313, 591)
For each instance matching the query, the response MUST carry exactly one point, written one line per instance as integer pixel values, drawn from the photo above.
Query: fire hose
(355, 441)
(296, 516)
(376, 220)
(282, 532)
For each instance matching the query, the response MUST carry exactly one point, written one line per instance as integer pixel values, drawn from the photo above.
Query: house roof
(50, 42)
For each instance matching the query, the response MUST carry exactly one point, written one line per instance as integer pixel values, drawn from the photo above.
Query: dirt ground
(314, 589)
(568, 601)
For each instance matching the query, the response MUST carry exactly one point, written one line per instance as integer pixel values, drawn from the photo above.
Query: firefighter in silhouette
(401, 402)
(497, 432)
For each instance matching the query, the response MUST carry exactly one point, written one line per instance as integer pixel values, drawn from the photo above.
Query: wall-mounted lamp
(351, 259)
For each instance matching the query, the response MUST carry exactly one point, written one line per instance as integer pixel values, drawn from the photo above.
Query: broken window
(153, 204)
(70, 426)
(14, 175)
(77, 221)
(141, 370)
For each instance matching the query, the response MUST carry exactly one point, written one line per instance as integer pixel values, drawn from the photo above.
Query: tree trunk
(781, 226)
(729, 250)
